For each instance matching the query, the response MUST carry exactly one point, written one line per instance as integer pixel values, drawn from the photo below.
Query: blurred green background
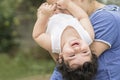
(20, 57)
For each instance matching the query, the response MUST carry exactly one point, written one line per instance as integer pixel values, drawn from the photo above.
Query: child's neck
(69, 34)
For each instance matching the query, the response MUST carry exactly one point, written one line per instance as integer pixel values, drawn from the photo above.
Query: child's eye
(72, 55)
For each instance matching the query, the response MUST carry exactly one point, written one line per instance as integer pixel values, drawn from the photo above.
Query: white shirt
(58, 23)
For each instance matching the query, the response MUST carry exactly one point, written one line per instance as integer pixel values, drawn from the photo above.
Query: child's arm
(79, 13)
(39, 35)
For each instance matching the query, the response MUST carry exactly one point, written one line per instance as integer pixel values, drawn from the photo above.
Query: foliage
(9, 10)
(7, 32)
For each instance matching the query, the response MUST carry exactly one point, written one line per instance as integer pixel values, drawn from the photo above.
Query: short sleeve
(105, 27)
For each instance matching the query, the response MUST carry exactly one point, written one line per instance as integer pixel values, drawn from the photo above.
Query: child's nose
(77, 49)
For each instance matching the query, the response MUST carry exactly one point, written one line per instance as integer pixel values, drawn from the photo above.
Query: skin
(88, 6)
(70, 7)
(51, 1)
(75, 51)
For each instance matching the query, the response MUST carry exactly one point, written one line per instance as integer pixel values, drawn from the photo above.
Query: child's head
(77, 60)
(84, 72)
(75, 53)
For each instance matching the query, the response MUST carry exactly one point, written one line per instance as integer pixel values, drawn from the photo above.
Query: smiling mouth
(75, 43)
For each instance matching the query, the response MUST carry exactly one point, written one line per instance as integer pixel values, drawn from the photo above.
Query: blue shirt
(106, 23)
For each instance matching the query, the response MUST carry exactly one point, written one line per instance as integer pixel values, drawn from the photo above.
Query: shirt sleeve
(105, 27)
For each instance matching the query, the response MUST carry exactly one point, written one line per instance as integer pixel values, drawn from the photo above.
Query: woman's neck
(94, 6)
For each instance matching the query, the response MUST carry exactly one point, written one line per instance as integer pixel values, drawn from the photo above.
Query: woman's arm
(39, 35)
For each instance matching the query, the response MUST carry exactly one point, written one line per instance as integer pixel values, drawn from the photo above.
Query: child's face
(75, 53)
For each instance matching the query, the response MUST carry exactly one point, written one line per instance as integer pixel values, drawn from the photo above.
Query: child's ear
(60, 58)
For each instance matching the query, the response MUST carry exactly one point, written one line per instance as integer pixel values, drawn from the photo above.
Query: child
(64, 37)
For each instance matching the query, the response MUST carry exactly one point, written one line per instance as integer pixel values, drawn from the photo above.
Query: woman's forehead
(51, 1)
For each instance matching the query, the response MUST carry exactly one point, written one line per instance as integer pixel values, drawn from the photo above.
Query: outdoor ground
(22, 68)
(37, 77)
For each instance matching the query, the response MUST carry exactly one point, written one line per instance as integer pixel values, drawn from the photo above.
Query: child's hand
(46, 10)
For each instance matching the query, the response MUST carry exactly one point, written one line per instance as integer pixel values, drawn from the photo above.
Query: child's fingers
(42, 5)
(51, 7)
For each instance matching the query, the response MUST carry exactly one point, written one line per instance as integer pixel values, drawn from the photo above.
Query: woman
(105, 20)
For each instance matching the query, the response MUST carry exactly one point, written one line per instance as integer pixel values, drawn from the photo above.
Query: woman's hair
(85, 72)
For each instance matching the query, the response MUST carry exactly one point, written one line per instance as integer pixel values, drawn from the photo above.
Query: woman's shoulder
(103, 16)
(107, 12)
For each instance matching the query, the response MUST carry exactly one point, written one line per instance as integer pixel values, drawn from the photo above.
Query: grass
(37, 77)
(21, 67)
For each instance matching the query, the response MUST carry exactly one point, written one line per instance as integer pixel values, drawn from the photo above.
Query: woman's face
(51, 1)
(75, 53)
(58, 9)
